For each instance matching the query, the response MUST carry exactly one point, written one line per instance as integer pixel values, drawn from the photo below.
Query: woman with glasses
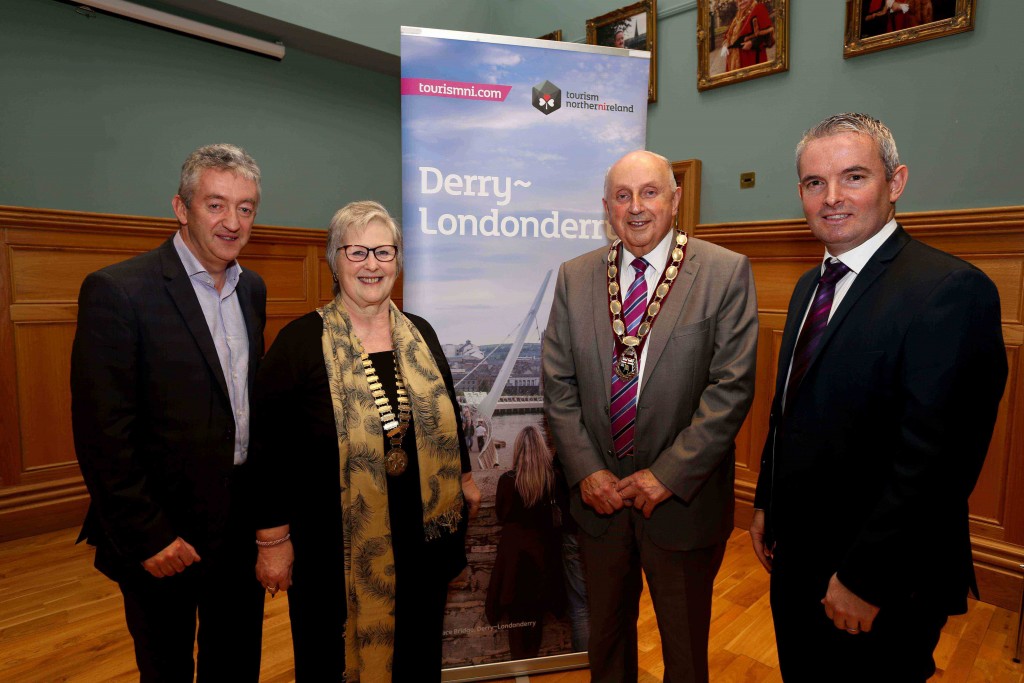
(362, 483)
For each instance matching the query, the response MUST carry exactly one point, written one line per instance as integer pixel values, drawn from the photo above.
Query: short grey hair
(222, 157)
(668, 169)
(855, 123)
(356, 216)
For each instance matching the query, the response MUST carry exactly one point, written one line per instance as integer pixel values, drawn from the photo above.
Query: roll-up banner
(505, 143)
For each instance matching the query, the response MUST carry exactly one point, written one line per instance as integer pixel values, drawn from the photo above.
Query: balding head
(641, 199)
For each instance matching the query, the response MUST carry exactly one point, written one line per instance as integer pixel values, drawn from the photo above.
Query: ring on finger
(853, 630)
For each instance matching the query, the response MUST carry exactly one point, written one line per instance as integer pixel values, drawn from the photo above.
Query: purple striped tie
(814, 325)
(624, 391)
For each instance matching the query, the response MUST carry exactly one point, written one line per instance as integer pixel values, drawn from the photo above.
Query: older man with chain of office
(648, 374)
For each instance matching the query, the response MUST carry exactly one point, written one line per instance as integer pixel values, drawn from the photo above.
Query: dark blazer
(698, 383)
(868, 471)
(152, 420)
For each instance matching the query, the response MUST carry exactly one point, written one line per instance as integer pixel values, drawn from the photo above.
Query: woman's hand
(471, 493)
(274, 563)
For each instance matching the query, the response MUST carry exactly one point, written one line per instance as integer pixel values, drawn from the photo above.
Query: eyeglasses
(357, 252)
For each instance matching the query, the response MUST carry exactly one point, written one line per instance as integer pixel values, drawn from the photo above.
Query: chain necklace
(396, 460)
(629, 347)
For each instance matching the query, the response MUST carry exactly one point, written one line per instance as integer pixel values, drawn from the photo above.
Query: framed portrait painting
(873, 25)
(634, 28)
(741, 39)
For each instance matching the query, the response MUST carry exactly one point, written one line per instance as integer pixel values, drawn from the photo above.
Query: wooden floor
(60, 620)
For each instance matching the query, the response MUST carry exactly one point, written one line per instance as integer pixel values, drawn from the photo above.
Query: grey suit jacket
(697, 385)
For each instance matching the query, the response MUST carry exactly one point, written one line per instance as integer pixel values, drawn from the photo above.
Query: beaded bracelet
(276, 541)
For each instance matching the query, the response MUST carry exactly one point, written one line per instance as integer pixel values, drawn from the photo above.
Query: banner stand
(505, 143)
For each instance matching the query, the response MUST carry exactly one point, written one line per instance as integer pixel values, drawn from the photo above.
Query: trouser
(811, 649)
(222, 591)
(681, 584)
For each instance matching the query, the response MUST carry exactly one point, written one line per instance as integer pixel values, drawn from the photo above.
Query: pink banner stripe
(465, 91)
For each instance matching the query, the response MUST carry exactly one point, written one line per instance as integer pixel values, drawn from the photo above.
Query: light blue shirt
(227, 327)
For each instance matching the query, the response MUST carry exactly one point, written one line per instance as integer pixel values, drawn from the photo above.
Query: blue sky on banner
(478, 250)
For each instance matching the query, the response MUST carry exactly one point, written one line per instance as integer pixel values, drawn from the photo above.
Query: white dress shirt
(855, 260)
(224, 317)
(657, 260)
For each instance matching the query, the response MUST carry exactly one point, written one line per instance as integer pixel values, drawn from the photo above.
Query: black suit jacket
(868, 471)
(152, 420)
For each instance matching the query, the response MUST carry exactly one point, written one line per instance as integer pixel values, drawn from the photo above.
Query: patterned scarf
(369, 558)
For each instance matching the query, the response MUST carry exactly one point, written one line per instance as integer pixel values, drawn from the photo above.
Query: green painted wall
(954, 105)
(98, 115)
(376, 22)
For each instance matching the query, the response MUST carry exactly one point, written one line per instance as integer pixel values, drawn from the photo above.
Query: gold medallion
(395, 426)
(627, 366)
(396, 461)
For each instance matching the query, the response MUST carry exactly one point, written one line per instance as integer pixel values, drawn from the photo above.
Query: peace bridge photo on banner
(505, 142)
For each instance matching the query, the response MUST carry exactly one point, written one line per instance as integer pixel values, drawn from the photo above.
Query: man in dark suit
(648, 374)
(890, 373)
(165, 352)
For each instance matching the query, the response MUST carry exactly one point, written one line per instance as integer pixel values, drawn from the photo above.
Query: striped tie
(814, 325)
(624, 391)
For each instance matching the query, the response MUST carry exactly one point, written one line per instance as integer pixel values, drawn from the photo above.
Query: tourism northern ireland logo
(547, 97)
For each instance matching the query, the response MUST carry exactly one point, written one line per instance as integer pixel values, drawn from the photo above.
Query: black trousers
(222, 592)
(811, 649)
(316, 606)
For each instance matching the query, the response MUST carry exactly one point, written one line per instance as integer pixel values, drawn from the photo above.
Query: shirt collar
(656, 258)
(857, 258)
(193, 267)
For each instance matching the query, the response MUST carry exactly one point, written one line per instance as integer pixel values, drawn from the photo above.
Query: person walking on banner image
(890, 373)
(648, 369)
(164, 354)
(527, 580)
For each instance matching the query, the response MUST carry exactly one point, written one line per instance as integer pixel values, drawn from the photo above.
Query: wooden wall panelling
(45, 254)
(991, 239)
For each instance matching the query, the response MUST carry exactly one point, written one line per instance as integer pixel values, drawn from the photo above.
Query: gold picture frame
(873, 25)
(633, 27)
(554, 35)
(738, 40)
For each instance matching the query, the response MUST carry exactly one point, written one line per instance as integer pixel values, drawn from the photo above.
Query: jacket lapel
(671, 310)
(179, 286)
(604, 345)
(244, 293)
(794, 320)
(875, 266)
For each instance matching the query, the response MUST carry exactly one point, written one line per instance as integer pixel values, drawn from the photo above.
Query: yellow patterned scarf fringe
(369, 559)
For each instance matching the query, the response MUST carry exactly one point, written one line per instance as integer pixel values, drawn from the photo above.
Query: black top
(294, 454)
